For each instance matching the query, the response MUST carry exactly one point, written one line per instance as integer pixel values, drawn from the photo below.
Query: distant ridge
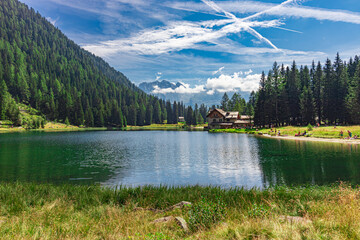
(148, 87)
(186, 98)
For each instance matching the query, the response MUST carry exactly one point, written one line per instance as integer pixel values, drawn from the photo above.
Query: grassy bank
(317, 132)
(30, 211)
(178, 126)
(48, 127)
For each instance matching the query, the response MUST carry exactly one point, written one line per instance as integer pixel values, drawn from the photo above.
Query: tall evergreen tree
(225, 102)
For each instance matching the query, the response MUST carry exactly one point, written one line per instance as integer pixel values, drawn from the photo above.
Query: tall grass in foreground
(30, 211)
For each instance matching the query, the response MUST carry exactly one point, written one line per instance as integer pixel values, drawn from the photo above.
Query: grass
(317, 132)
(42, 211)
(6, 127)
(180, 125)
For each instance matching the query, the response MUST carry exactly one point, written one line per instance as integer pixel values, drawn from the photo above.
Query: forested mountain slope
(41, 67)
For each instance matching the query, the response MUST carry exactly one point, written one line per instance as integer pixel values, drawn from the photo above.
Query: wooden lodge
(219, 119)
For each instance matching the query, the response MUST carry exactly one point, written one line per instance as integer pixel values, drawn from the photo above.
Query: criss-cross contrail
(252, 31)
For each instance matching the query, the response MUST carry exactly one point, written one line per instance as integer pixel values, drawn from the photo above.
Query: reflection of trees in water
(57, 158)
(300, 162)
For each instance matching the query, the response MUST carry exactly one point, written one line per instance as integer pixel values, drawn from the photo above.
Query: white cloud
(160, 46)
(231, 83)
(158, 76)
(218, 71)
(52, 21)
(176, 36)
(223, 83)
(210, 92)
(249, 72)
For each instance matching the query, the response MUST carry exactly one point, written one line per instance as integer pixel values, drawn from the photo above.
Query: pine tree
(225, 102)
(169, 116)
(176, 113)
(329, 96)
(275, 92)
(293, 94)
(352, 101)
(4, 95)
(318, 92)
(157, 113)
(189, 116)
(149, 115)
(259, 117)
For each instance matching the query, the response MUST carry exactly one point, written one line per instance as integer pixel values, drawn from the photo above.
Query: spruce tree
(225, 102)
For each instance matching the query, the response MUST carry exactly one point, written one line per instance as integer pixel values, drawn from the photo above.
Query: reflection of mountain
(163, 91)
(293, 163)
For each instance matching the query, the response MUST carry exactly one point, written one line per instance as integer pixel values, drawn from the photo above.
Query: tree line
(319, 94)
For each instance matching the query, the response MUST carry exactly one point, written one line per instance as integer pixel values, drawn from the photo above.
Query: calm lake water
(136, 158)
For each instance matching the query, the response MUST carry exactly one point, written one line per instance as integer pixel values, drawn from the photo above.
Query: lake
(136, 158)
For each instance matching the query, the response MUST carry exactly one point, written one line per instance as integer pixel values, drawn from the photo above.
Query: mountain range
(162, 90)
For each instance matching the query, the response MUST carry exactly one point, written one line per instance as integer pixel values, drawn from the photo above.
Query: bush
(309, 127)
(203, 215)
(67, 123)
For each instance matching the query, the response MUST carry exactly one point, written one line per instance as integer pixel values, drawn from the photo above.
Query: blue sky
(207, 45)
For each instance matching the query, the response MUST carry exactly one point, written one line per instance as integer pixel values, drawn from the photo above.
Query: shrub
(67, 121)
(309, 127)
(203, 214)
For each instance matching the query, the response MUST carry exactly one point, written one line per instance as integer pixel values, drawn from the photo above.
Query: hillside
(42, 68)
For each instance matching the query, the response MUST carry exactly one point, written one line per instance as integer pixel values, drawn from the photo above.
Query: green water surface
(173, 158)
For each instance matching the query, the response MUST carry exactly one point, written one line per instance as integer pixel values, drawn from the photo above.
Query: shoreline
(330, 134)
(314, 139)
(70, 129)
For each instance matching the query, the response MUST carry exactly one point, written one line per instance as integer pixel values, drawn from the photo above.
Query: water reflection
(299, 162)
(173, 158)
(188, 158)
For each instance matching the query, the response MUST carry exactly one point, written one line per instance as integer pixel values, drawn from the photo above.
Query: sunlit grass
(318, 132)
(30, 211)
(165, 126)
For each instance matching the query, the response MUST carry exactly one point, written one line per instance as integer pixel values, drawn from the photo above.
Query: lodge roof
(230, 115)
(222, 112)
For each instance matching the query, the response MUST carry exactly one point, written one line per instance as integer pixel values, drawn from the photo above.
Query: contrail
(249, 29)
(287, 29)
(270, 9)
(259, 36)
